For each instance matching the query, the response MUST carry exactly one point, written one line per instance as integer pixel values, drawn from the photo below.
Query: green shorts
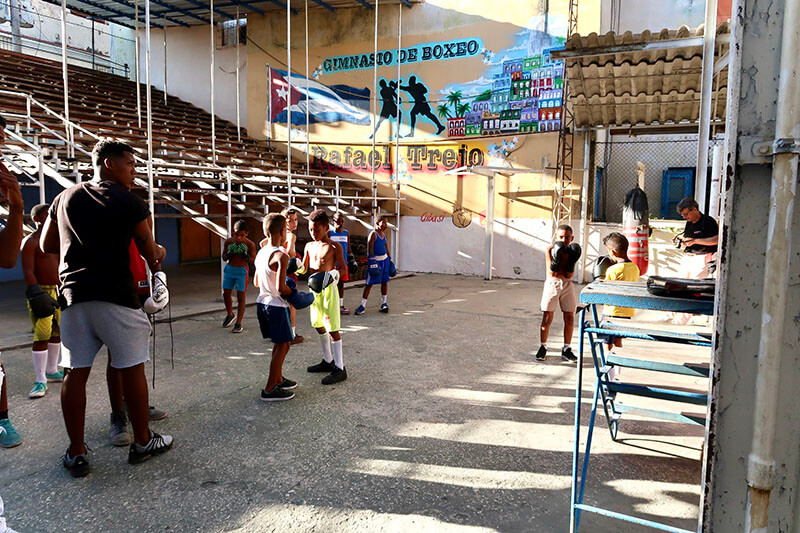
(46, 328)
(325, 309)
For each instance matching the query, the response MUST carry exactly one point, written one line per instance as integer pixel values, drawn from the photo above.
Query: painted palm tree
(462, 110)
(443, 110)
(454, 99)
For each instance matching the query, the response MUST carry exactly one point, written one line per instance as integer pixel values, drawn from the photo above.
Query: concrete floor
(446, 423)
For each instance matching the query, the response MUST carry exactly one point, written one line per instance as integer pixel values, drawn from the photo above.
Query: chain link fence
(91, 43)
(615, 171)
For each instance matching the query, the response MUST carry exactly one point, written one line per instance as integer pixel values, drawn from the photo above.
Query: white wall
(440, 247)
(519, 246)
(188, 75)
(654, 15)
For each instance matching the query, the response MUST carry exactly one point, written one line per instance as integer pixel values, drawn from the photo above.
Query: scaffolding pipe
(212, 69)
(771, 350)
(706, 90)
(165, 59)
(716, 176)
(396, 252)
(136, 62)
(42, 196)
(374, 102)
(489, 225)
(149, 115)
(269, 103)
(65, 76)
(238, 96)
(289, 99)
(584, 206)
(308, 115)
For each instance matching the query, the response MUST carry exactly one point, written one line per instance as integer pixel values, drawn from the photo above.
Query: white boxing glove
(159, 299)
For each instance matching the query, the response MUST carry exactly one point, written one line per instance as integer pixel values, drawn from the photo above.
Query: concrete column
(746, 196)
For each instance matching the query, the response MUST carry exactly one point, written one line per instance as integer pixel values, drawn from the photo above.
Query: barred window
(229, 32)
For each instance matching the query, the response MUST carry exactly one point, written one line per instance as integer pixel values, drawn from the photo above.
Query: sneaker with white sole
(77, 466)
(55, 377)
(360, 310)
(39, 390)
(287, 384)
(384, 308)
(119, 434)
(157, 414)
(9, 436)
(337, 375)
(277, 394)
(237, 328)
(157, 445)
(228, 322)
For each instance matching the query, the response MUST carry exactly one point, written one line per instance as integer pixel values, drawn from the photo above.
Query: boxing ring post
(706, 89)
(238, 112)
(212, 69)
(308, 115)
(165, 59)
(584, 206)
(289, 102)
(136, 62)
(396, 240)
(149, 103)
(65, 75)
(374, 102)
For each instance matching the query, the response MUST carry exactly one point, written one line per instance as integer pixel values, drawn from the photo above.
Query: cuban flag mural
(335, 103)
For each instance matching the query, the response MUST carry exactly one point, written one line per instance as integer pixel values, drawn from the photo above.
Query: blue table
(635, 295)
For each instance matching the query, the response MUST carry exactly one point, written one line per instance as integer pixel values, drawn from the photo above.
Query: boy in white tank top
(272, 309)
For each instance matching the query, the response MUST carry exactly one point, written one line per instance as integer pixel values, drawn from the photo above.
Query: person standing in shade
(237, 251)
(341, 236)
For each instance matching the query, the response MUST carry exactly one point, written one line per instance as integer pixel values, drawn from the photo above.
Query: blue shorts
(379, 273)
(275, 323)
(234, 277)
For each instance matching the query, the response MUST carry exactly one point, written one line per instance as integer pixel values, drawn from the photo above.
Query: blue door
(676, 184)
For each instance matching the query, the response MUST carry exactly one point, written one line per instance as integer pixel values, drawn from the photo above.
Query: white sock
(53, 352)
(325, 341)
(566, 346)
(39, 362)
(294, 331)
(341, 301)
(337, 353)
(383, 298)
(363, 302)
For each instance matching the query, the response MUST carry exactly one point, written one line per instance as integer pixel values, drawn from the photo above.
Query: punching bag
(636, 223)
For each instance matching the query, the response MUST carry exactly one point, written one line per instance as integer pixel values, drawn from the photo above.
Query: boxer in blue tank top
(379, 266)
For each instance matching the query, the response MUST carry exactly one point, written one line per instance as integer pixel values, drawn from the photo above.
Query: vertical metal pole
(136, 62)
(269, 103)
(212, 69)
(230, 205)
(149, 114)
(64, 73)
(289, 102)
(396, 254)
(238, 96)
(42, 190)
(584, 206)
(16, 35)
(336, 180)
(93, 63)
(165, 59)
(489, 226)
(308, 112)
(716, 176)
(706, 87)
(374, 107)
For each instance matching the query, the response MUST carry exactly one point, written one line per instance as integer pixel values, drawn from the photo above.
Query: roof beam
(119, 14)
(325, 5)
(365, 4)
(207, 6)
(406, 2)
(251, 7)
(133, 7)
(171, 8)
(283, 5)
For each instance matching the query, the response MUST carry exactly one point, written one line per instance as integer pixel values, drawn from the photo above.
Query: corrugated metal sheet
(655, 86)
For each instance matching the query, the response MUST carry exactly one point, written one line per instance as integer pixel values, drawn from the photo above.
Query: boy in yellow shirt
(622, 270)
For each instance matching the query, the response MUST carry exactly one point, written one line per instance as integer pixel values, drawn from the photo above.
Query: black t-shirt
(702, 229)
(95, 225)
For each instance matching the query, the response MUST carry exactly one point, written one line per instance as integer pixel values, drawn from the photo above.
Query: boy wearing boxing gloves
(559, 291)
(41, 275)
(381, 268)
(91, 226)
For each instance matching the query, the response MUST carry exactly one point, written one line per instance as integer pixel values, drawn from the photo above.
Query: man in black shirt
(91, 226)
(701, 233)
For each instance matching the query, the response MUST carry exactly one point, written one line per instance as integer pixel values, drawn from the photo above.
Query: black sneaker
(237, 328)
(228, 322)
(542, 353)
(322, 366)
(384, 308)
(277, 394)
(157, 414)
(567, 355)
(338, 374)
(157, 445)
(287, 384)
(77, 466)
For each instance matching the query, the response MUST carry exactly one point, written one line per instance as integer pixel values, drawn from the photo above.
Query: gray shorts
(87, 326)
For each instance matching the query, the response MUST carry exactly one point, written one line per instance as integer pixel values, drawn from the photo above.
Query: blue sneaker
(39, 390)
(55, 377)
(9, 437)
(360, 310)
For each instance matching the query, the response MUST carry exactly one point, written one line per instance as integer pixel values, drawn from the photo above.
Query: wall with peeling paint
(739, 318)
